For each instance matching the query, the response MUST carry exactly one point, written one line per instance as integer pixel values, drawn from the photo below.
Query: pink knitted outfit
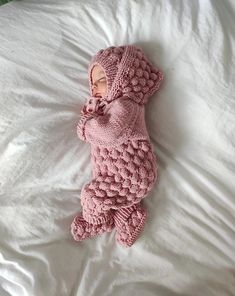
(123, 162)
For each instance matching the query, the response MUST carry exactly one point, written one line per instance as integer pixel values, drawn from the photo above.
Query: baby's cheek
(103, 88)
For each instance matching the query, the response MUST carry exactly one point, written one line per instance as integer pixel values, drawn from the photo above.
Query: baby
(121, 80)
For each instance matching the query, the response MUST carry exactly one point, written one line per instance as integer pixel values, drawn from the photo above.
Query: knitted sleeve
(90, 109)
(80, 128)
(114, 126)
(81, 125)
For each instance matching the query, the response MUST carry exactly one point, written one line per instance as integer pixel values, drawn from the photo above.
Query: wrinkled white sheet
(188, 244)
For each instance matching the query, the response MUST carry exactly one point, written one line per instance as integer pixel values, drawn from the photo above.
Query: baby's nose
(94, 90)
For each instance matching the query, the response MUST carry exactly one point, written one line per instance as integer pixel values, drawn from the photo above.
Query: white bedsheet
(188, 244)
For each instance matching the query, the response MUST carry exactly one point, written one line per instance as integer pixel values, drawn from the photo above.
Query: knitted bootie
(129, 223)
(81, 229)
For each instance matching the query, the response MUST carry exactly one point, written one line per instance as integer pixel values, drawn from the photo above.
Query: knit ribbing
(123, 214)
(81, 229)
(129, 223)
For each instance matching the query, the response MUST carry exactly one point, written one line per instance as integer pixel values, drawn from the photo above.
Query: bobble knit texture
(124, 165)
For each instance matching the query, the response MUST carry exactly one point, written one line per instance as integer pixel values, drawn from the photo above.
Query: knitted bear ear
(142, 79)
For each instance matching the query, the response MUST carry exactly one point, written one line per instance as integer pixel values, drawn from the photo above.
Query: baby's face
(99, 83)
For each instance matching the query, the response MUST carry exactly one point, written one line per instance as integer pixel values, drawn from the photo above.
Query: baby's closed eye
(102, 79)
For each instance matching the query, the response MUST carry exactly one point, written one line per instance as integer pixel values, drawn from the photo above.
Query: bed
(188, 243)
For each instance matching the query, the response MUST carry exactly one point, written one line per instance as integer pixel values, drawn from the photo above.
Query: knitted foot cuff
(81, 229)
(129, 229)
(96, 220)
(123, 214)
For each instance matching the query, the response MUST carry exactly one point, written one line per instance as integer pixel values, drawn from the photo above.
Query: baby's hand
(93, 107)
(84, 111)
(101, 107)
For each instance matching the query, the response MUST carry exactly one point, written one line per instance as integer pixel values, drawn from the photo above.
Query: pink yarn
(123, 162)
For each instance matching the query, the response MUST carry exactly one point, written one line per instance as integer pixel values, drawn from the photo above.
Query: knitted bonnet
(128, 73)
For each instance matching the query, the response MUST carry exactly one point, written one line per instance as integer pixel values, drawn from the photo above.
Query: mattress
(188, 244)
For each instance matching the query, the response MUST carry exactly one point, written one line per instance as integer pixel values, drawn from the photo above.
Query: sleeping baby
(124, 170)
